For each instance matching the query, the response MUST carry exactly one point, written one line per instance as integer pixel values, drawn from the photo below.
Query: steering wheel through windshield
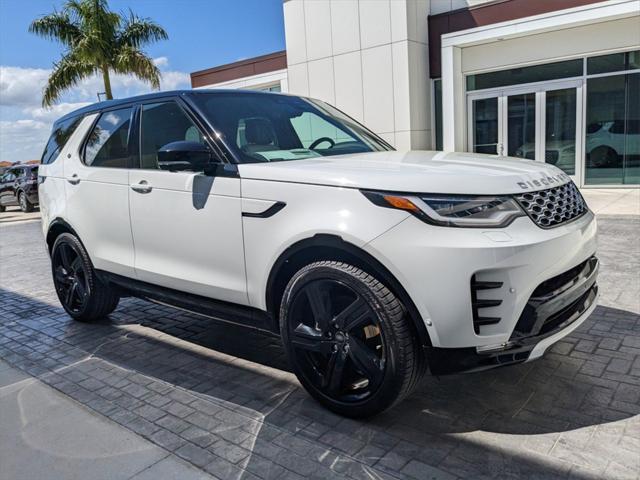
(320, 140)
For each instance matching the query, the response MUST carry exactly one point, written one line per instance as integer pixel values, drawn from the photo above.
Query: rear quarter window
(59, 137)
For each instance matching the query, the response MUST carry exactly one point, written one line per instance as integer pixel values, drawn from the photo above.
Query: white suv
(283, 214)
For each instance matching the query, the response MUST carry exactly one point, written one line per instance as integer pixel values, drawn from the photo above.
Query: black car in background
(19, 186)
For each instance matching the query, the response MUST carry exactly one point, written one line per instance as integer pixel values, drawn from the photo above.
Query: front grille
(553, 207)
(558, 301)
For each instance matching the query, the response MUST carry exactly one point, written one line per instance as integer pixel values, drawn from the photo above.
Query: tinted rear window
(59, 137)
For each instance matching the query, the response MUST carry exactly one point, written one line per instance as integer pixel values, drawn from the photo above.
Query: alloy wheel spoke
(319, 302)
(364, 359)
(70, 294)
(355, 315)
(76, 265)
(335, 369)
(81, 291)
(61, 277)
(65, 260)
(302, 338)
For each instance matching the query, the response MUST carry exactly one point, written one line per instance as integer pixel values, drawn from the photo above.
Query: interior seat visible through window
(164, 123)
(259, 135)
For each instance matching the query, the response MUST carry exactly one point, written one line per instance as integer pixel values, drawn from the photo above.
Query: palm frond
(66, 73)
(138, 31)
(133, 61)
(56, 26)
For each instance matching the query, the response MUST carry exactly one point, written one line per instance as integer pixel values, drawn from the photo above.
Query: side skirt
(214, 309)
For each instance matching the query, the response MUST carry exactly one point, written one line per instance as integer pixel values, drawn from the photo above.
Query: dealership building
(556, 81)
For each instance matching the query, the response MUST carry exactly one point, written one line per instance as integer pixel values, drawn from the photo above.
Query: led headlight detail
(453, 210)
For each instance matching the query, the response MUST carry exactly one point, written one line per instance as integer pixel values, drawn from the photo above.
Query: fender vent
(477, 304)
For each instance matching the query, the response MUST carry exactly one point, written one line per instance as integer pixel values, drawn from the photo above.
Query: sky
(202, 34)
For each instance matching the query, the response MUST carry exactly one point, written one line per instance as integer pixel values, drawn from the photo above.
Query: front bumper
(556, 308)
(439, 267)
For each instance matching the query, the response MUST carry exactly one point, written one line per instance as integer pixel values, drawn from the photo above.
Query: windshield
(262, 127)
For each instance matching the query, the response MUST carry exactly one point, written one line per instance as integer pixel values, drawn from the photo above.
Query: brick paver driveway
(221, 397)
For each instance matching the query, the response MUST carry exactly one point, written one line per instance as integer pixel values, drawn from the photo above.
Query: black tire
(603, 157)
(82, 294)
(2, 208)
(348, 339)
(25, 205)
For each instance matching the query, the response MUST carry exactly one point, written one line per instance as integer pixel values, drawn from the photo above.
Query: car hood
(413, 171)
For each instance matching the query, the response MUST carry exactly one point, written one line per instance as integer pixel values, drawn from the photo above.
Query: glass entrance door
(537, 124)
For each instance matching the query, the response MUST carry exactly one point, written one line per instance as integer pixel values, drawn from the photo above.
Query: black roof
(99, 106)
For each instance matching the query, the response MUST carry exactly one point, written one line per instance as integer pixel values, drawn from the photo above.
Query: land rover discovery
(283, 214)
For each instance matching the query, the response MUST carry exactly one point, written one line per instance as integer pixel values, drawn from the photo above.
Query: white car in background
(606, 143)
(285, 215)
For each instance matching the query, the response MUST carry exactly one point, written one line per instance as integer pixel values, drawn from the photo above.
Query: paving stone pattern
(221, 397)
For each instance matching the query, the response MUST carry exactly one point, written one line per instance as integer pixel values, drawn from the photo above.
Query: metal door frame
(540, 89)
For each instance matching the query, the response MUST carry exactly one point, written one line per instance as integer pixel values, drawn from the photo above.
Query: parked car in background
(19, 186)
(283, 214)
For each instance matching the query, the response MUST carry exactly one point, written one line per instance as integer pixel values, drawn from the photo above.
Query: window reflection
(612, 152)
(485, 125)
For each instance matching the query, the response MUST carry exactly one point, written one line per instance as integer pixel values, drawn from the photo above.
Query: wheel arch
(333, 247)
(57, 227)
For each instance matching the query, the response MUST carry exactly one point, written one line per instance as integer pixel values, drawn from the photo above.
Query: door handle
(142, 187)
(73, 180)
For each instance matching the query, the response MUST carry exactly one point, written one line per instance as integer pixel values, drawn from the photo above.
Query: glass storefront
(612, 150)
(581, 115)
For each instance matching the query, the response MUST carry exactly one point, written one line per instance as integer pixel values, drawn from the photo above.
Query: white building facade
(555, 81)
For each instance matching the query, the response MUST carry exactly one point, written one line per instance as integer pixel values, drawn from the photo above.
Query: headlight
(452, 210)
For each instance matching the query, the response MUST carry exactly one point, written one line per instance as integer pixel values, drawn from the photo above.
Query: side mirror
(184, 156)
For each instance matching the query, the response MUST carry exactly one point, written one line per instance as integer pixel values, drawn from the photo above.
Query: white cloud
(21, 86)
(24, 124)
(23, 139)
(161, 62)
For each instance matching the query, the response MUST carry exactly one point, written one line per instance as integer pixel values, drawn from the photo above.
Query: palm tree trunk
(107, 83)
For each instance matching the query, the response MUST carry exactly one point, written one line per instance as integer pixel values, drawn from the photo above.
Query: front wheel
(348, 339)
(82, 294)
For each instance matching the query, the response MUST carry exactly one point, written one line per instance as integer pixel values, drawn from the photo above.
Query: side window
(310, 128)
(108, 142)
(58, 139)
(164, 123)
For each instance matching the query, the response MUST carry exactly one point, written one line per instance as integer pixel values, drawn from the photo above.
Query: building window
(612, 148)
(270, 88)
(521, 75)
(437, 109)
(613, 63)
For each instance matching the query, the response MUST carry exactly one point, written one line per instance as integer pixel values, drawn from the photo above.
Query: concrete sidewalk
(613, 201)
(46, 435)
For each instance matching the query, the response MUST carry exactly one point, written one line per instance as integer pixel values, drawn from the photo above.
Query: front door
(540, 123)
(187, 226)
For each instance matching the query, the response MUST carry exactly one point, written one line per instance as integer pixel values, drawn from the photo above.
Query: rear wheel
(82, 294)
(25, 204)
(348, 339)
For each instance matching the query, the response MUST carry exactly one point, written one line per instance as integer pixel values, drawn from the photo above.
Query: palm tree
(97, 41)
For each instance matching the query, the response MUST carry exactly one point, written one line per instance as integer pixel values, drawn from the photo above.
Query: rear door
(97, 190)
(187, 226)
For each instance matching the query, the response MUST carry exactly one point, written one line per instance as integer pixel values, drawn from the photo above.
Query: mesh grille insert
(555, 206)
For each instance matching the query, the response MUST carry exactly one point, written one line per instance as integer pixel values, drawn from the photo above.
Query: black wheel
(348, 339)
(80, 291)
(2, 208)
(603, 157)
(25, 204)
